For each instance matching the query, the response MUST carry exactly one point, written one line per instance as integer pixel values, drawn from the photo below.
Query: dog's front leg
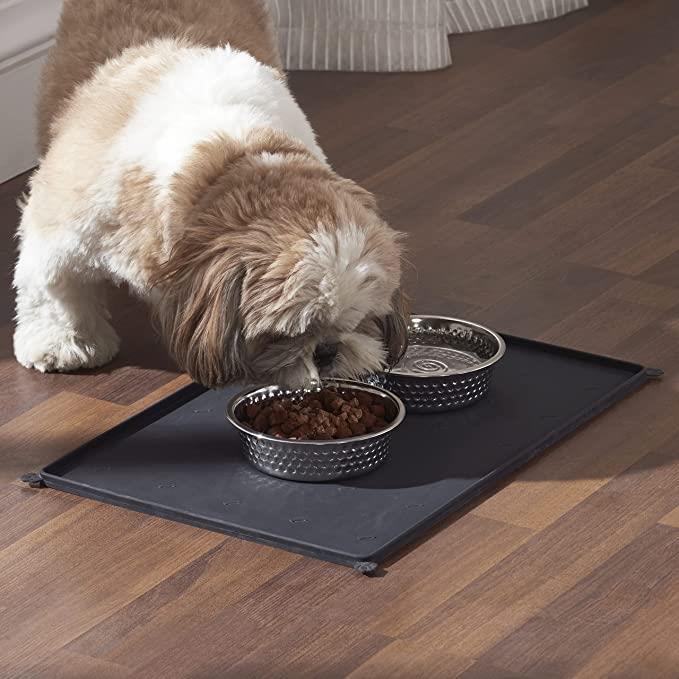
(62, 321)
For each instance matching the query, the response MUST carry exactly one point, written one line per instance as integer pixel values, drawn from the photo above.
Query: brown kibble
(329, 414)
(344, 431)
(304, 431)
(364, 399)
(337, 405)
(368, 419)
(278, 418)
(357, 428)
(289, 426)
(252, 410)
(378, 410)
(261, 422)
(278, 413)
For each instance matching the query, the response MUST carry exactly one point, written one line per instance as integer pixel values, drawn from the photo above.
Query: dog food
(321, 416)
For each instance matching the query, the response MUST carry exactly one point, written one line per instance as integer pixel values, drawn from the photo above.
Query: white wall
(26, 30)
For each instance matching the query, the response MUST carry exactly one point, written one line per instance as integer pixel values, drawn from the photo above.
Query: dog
(175, 160)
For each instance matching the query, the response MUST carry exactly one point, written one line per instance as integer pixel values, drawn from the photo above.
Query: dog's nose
(325, 354)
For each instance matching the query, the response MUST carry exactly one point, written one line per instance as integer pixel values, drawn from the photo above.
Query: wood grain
(538, 184)
(671, 519)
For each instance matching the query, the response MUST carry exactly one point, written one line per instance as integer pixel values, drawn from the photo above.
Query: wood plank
(653, 345)
(534, 307)
(24, 510)
(546, 566)
(485, 135)
(285, 656)
(380, 148)
(450, 562)
(607, 447)
(68, 420)
(578, 169)
(610, 105)
(573, 628)
(612, 317)
(534, 248)
(84, 578)
(672, 518)
(610, 445)
(637, 245)
(668, 158)
(194, 596)
(638, 650)
(67, 665)
(403, 660)
(665, 272)
(484, 670)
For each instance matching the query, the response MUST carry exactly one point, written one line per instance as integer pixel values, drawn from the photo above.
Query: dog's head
(286, 277)
(329, 304)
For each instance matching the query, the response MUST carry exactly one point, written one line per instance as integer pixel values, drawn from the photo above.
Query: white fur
(66, 247)
(351, 284)
(210, 91)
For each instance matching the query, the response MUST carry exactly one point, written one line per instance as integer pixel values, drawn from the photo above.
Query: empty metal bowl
(314, 460)
(448, 364)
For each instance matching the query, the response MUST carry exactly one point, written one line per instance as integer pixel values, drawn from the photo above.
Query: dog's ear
(200, 319)
(394, 327)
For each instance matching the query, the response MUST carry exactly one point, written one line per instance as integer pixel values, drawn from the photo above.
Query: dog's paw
(65, 350)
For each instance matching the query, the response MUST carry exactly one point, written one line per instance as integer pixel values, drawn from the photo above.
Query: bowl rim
(501, 349)
(236, 400)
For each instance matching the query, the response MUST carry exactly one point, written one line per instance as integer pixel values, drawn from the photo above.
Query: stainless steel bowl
(448, 365)
(314, 460)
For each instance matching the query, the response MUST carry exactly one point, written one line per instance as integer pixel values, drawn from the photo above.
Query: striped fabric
(466, 16)
(362, 35)
(392, 35)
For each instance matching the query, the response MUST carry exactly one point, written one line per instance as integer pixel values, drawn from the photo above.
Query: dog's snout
(325, 354)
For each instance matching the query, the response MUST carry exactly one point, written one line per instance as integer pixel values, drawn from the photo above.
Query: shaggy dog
(175, 160)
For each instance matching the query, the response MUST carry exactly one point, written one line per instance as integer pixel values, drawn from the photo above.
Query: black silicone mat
(181, 460)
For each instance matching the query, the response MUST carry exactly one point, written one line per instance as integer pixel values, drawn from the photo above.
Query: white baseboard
(26, 31)
(18, 89)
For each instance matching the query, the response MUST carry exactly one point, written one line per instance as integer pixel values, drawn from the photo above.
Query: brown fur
(93, 31)
(394, 328)
(137, 234)
(95, 114)
(246, 228)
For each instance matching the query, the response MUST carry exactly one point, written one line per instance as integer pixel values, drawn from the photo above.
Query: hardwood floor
(538, 181)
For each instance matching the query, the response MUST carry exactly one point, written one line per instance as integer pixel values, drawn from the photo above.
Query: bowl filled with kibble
(327, 432)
